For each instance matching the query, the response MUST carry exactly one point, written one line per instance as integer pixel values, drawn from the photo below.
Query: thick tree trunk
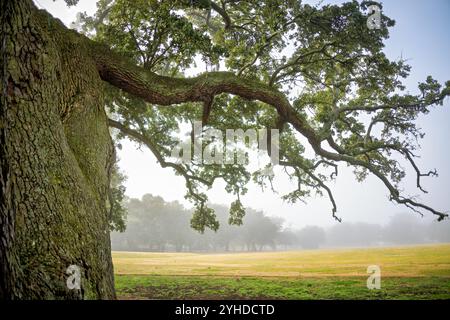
(55, 155)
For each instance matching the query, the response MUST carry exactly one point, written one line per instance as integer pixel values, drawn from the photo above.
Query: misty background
(159, 226)
(421, 36)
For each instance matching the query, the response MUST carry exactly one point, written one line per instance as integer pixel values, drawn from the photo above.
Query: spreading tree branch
(189, 178)
(167, 91)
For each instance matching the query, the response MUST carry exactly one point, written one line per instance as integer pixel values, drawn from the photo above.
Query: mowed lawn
(410, 272)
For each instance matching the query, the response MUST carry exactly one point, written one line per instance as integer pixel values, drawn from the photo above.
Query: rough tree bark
(55, 151)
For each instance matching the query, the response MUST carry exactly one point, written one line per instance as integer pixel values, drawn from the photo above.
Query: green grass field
(419, 272)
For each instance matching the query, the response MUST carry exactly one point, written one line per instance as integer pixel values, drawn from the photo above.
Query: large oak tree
(316, 73)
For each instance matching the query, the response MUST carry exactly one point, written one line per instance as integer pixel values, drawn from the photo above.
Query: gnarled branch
(168, 91)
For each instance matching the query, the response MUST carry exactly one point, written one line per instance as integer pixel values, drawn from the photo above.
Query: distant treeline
(156, 225)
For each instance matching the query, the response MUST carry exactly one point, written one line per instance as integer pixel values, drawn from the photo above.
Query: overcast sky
(421, 35)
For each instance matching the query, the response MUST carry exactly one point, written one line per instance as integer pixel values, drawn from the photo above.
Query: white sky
(421, 34)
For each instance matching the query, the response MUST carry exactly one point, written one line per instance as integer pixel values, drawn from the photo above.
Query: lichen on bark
(56, 155)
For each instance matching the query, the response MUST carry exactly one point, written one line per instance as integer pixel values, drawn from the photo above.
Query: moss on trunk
(56, 152)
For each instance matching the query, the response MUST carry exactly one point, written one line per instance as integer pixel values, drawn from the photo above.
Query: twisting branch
(328, 163)
(189, 178)
(211, 5)
(415, 106)
(223, 13)
(394, 193)
(408, 154)
(207, 106)
(295, 62)
(320, 184)
(169, 91)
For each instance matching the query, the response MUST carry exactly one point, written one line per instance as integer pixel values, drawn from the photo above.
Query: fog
(156, 225)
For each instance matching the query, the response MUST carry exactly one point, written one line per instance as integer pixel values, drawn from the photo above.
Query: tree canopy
(316, 73)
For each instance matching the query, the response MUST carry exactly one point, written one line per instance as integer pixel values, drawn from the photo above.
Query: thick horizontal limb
(162, 90)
